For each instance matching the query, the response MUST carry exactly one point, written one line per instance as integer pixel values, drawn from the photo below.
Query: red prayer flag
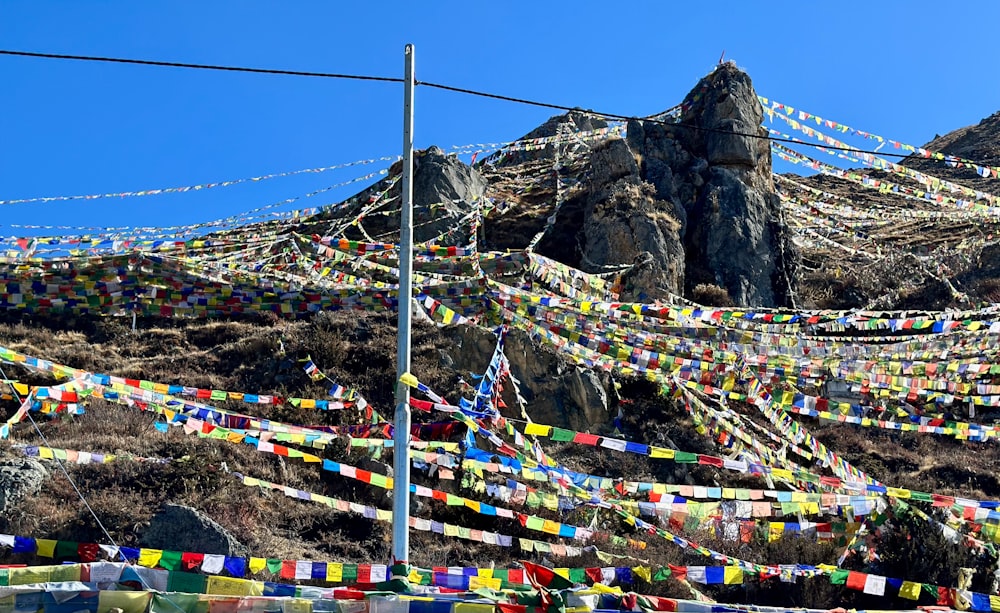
(856, 580)
(658, 603)
(364, 573)
(540, 576)
(594, 574)
(87, 552)
(709, 460)
(191, 561)
(946, 596)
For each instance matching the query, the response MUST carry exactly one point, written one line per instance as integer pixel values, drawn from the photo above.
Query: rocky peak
(716, 171)
(444, 190)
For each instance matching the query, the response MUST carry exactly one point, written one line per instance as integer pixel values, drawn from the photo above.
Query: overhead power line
(118, 60)
(451, 88)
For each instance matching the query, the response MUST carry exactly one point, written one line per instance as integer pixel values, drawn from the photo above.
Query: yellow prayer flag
(476, 583)
(230, 586)
(127, 602)
(150, 557)
(45, 548)
(29, 574)
(732, 575)
(775, 530)
(473, 607)
(537, 430)
(643, 571)
(781, 473)
(909, 590)
(257, 565)
(660, 452)
(334, 572)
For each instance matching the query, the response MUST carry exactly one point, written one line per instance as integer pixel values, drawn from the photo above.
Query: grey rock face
(444, 189)
(718, 174)
(182, 528)
(573, 121)
(556, 391)
(19, 478)
(618, 220)
(628, 225)
(686, 204)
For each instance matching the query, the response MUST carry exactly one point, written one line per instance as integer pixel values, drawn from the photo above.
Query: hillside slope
(575, 408)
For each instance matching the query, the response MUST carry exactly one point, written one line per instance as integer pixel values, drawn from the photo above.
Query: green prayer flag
(273, 566)
(838, 577)
(66, 549)
(562, 436)
(350, 573)
(171, 560)
(177, 603)
(685, 457)
(191, 583)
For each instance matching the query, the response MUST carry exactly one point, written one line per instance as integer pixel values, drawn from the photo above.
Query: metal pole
(401, 436)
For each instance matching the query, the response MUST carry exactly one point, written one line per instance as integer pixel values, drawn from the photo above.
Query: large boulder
(19, 478)
(181, 528)
(445, 189)
(556, 391)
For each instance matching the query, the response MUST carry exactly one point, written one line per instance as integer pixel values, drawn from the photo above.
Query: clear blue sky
(906, 70)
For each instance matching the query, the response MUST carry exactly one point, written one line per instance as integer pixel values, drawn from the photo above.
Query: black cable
(296, 73)
(460, 90)
(618, 117)
(558, 107)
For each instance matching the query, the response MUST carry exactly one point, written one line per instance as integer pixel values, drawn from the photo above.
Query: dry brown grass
(358, 350)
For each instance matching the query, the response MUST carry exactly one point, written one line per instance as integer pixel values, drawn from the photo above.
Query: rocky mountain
(593, 292)
(885, 244)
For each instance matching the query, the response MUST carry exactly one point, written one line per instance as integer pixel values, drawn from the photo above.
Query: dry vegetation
(357, 350)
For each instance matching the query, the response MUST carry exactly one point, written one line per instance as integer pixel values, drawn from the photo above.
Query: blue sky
(906, 70)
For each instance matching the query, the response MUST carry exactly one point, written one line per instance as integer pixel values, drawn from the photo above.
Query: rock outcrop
(626, 223)
(556, 391)
(715, 166)
(19, 478)
(685, 205)
(444, 191)
(182, 528)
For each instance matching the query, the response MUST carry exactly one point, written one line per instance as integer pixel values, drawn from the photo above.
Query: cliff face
(677, 205)
(718, 178)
